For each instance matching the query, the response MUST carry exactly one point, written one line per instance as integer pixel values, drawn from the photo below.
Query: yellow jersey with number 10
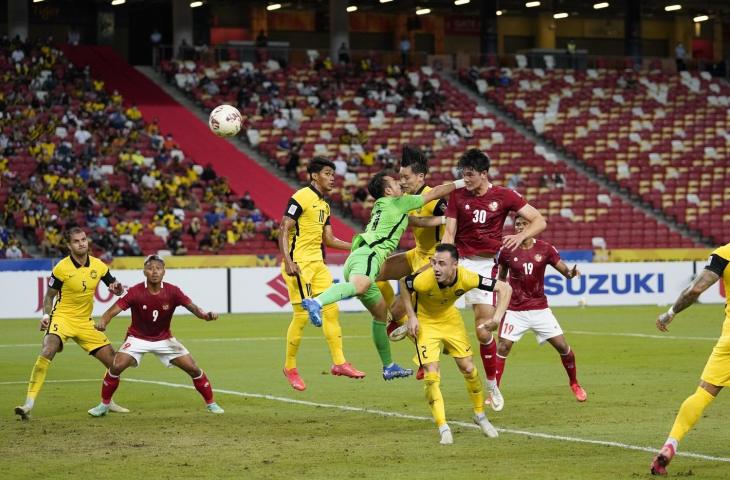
(311, 212)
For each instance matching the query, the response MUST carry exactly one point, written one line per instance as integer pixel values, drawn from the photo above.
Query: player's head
(474, 165)
(76, 241)
(154, 269)
(445, 262)
(521, 223)
(322, 173)
(384, 184)
(413, 169)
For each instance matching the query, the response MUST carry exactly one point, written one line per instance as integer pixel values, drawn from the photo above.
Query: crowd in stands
(72, 153)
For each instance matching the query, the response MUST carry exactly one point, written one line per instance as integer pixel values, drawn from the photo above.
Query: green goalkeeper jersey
(388, 221)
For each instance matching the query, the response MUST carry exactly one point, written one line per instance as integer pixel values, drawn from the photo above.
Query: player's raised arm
(423, 222)
(114, 286)
(406, 286)
(537, 225)
(441, 191)
(198, 312)
(331, 241)
(449, 231)
(689, 295)
(107, 316)
(566, 271)
(287, 223)
(503, 293)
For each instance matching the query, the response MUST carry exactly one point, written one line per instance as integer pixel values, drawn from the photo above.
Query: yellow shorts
(449, 332)
(314, 279)
(717, 368)
(81, 331)
(416, 259)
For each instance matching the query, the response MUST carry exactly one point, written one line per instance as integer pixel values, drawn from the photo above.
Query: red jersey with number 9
(527, 274)
(152, 313)
(480, 219)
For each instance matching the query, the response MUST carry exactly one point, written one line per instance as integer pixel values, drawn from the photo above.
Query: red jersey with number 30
(527, 274)
(152, 313)
(480, 219)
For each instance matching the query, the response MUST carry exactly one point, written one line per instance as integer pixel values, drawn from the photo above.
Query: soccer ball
(225, 121)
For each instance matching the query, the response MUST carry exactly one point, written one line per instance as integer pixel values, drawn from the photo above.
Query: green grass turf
(635, 386)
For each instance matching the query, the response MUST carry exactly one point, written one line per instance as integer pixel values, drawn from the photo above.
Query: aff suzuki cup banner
(249, 290)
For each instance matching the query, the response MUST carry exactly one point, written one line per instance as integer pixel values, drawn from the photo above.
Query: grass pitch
(336, 429)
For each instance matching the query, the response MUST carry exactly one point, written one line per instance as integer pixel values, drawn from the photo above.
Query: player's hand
(210, 316)
(291, 268)
(412, 326)
(116, 288)
(664, 320)
(45, 321)
(511, 242)
(574, 272)
(100, 325)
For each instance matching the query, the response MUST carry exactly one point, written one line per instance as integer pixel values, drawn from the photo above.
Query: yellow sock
(37, 377)
(294, 336)
(690, 412)
(333, 332)
(386, 289)
(432, 384)
(474, 388)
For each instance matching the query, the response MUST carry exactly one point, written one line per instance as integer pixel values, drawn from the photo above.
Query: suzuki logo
(280, 295)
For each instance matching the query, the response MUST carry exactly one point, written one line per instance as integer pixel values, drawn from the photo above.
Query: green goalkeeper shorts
(364, 261)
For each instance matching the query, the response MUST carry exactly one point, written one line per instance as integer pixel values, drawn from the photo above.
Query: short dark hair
(414, 158)
(447, 247)
(377, 185)
(475, 159)
(71, 232)
(318, 164)
(153, 258)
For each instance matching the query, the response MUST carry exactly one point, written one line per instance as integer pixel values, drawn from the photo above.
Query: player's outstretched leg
(106, 355)
(120, 362)
(432, 391)
(335, 293)
(488, 352)
(690, 411)
(200, 381)
(567, 357)
(333, 334)
(37, 378)
(476, 394)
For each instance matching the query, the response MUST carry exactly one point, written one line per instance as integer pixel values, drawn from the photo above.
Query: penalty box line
(384, 413)
(405, 416)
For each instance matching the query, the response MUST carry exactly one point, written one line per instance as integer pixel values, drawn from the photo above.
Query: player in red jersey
(153, 303)
(475, 217)
(528, 308)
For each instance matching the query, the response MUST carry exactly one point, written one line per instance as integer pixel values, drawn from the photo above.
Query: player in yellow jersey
(434, 322)
(305, 229)
(717, 370)
(413, 169)
(74, 280)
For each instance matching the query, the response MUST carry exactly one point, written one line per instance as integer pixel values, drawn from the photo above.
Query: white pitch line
(25, 382)
(640, 335)
(194, 340)
(384, 413)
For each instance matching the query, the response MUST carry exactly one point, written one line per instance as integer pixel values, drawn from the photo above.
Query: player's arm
(566, 271)
(107, 316)
(537, 225)
(503, 293)
(114, 286)
(711, 274)
(407, 287)
(48, 304)
(198, 312)
(442, 190)
(423, 222)
(333, 242)
(502, 274)
(449, 231)
(287, 223)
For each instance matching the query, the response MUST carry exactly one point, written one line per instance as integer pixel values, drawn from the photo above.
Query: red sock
(108, 387)
(500, 367)
(489, 358)
(569, 364)
(202, 385)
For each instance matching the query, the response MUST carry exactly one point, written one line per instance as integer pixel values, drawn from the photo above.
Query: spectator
(680, 53)
(175, 243)
(280, 122)
(514, 181)
(212, 218)
(13, 251)
(340, 166)
(405, 50)
(283, 143)
(194, 228)
(247, 202)
(343, 54)
(559, 180)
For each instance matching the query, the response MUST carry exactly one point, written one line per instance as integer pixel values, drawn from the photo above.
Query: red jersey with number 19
(480, 219)
(152, 313)
(527, 274)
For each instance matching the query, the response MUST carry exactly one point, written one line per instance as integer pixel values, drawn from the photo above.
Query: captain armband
(487, 284)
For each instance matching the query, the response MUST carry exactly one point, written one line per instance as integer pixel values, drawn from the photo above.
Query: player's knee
(484, 334)
(467, 369)
(503, 349)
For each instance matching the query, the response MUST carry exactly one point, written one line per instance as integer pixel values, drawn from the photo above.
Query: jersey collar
(77, 264)
(456, 279)
(162, 284)
(319, 194)
(421, 189)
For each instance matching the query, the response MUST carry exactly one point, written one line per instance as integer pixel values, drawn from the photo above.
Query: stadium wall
(262, 289)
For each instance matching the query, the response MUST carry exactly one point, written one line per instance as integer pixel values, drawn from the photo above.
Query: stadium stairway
(192, 134)
(582, 168)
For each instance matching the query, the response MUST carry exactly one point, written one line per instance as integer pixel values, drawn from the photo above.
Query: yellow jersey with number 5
(77, 284)
(720, 267)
